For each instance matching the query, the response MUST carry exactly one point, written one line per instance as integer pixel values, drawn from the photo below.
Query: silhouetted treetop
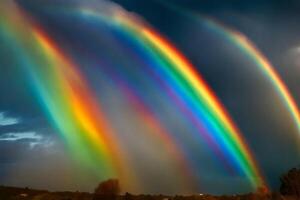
(290, 183)
(108, 187)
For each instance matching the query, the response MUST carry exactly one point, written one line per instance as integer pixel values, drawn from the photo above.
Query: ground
(13, 193)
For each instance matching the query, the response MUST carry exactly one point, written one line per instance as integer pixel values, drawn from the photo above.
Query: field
(13, 193)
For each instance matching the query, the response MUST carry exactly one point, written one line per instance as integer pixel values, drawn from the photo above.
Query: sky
(92, 90)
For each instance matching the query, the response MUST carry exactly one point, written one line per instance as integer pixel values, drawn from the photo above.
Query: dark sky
(33, 153)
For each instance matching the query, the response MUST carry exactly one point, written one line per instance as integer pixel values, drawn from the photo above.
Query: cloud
(31, 138)
(20, 136)
(6, 121)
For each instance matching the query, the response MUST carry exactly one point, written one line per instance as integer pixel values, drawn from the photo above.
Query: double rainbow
(249, 48)
(71, 107)
(188, 81)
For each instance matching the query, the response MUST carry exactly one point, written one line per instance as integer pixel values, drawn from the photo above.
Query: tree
(110, 187)
(290, 183)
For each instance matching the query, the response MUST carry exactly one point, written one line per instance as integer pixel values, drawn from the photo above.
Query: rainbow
(68, 101)
(74, 111)
(246, 46)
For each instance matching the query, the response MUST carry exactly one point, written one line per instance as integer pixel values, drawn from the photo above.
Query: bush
(290, 183)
